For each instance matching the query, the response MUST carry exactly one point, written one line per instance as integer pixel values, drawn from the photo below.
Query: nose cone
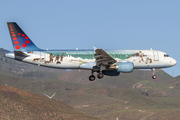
(173, 62)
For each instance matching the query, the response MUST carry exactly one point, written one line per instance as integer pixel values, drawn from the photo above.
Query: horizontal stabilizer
(21, 54)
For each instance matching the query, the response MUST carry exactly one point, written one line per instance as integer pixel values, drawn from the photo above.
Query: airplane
(104, 62)
(50, 96)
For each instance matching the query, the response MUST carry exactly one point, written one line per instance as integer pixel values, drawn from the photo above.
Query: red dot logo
(13, 35)
(26, 38)
(14, 38)
(16, 42)
(27, 41)
(23, 35)
(24, 45)
(19, 33)
(12, 32)
(17, 47)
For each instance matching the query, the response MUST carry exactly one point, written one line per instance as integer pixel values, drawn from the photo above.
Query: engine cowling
(124, 67)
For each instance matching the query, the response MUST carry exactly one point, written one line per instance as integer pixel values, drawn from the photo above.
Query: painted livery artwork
(79, 58)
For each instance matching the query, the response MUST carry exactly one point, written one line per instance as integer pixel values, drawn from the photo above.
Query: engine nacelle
(124, 67)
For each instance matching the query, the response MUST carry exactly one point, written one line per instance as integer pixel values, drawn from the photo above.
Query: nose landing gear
(154, 76)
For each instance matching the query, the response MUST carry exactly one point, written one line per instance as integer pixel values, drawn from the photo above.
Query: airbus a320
(104, 62)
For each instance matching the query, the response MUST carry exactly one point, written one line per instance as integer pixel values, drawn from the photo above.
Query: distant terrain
(129, 96)
(17, 104)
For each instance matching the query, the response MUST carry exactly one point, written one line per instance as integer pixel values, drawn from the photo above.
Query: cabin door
(156, 57)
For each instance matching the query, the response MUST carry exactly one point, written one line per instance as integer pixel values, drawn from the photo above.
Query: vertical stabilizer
(20, 41)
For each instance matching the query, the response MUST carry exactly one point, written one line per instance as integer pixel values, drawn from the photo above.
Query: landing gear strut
(154, 76)
(101, 74)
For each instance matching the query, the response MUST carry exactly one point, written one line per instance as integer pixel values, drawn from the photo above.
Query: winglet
(94, 48)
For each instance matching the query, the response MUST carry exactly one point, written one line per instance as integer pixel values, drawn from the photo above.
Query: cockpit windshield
(166, 55)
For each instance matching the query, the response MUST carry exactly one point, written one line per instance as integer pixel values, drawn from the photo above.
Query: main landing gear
(154, 76)
(99, 75)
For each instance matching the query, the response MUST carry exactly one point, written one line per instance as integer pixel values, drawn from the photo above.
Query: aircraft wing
(103, 58)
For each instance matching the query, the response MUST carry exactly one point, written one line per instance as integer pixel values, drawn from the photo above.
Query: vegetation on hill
(18, 104)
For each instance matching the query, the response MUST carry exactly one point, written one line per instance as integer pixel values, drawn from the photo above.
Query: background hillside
(130, 96)
(16, 104)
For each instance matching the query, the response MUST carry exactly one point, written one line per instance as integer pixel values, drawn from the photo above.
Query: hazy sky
(106, 24)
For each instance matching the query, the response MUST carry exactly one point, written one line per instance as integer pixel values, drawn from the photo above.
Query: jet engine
(124, 67)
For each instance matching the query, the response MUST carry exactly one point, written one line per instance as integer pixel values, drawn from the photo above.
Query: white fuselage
(75, 59)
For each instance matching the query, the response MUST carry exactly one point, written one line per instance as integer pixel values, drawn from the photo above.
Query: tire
(154, 77)
(92, 78)
(100, 75)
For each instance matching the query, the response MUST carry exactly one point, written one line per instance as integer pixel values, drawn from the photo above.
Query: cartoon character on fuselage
(104, 62)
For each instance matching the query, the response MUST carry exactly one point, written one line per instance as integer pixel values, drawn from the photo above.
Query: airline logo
(20, 40)
(16, 41)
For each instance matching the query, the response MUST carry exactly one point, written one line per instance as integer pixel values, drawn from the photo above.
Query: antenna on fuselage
(151, 48)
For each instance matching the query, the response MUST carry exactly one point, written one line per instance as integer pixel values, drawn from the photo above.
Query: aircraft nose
(173, 62)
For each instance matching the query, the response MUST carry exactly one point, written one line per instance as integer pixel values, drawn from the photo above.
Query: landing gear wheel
(92, 78)
(100, 75)
(154, 77)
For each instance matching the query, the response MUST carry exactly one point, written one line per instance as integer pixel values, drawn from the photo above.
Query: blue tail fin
(20, 41)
